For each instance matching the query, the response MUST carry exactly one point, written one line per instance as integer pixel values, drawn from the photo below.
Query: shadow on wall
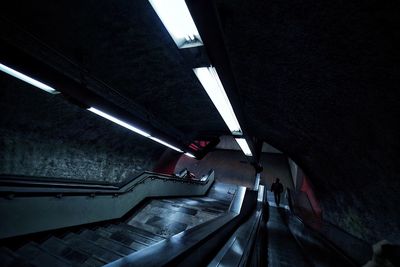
(230, 167)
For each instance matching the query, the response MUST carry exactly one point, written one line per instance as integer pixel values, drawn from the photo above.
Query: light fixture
(119, 122)
(165, 143)
(132, 128)
(190, 155)
(27, 79)
(209, 78)
(176, 17)
(244, 146)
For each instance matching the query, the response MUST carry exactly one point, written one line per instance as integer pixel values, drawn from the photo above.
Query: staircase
(152, 223)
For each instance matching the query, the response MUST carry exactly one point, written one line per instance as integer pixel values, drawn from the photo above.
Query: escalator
(219, 225)
(154, 222)
(275, 236)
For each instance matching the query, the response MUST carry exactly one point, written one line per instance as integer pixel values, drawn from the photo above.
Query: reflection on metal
(237, 202)
(237, 249)
(257, 182)
(260, 196)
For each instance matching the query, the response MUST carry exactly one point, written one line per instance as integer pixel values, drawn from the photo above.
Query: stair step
(103, 240)
(73, 254)
(102, 253)
(149, 228)
(141, 232)
(39, 256)
(119, 232)
(9, 259)
(121, 238)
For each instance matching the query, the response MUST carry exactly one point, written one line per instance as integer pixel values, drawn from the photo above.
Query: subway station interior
(153, 133)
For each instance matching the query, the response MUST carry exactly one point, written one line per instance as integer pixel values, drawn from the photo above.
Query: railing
(239, 249)
(355, 249)
(39, 186)
(178, 249)
(34, 205)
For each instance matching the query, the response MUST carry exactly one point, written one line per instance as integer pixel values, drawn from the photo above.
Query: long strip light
(176, 18)
(132, 128)
(244, 146)
(209, 78)
(119, 122)
(28, 79)
(165, 143)
(190, 155)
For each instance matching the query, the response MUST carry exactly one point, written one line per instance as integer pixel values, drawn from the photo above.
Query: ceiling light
(208, 77)
(27, 79)
(165, 143)
(132, 128)
(118, 121)
(176, 17)
(189, 155)
(244, 146)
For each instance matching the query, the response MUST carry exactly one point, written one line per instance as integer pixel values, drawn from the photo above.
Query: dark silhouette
(277, 188)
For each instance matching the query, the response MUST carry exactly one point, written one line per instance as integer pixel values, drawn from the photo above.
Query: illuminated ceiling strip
(189, 155)
(132, 128)
(27, 79)
(244, 146)
(119, 122)
(209, 78)
(165, 143)
(176, 18)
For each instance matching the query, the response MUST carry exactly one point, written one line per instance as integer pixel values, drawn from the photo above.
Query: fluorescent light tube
(244, 146)
(176, 18)
(132, 128)
(118, 121)
(189, 155)
(165, 143)
(27, 79)
(209, 78)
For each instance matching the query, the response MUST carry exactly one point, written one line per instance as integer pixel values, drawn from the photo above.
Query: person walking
(277, 188)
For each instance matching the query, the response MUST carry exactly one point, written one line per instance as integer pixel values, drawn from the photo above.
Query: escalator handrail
(177, 245)
(327, 240)
(39, 186)
(324, 222)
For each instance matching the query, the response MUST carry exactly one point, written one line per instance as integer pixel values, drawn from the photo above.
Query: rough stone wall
(44, 135)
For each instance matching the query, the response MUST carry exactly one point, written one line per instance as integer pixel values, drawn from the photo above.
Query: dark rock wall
(320, 82)
(44, 135)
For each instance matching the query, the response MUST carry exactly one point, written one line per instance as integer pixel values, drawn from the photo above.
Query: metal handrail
(328, 225)
(39, 186)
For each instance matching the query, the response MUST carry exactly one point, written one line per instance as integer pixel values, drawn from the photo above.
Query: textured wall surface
(317, 80)
(43, 135)
(320, 82)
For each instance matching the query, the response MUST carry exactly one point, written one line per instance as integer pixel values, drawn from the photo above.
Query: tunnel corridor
(152, 133)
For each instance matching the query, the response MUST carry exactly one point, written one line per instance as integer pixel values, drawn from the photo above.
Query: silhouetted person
(277, 188)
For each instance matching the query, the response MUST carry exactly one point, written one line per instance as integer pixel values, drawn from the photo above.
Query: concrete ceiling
(318, 81)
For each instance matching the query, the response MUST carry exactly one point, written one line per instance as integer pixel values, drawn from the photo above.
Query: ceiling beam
(207, 21)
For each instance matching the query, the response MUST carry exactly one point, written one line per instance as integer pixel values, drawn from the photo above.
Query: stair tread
(117, 232)
(39, 256)
(102, 253)
(125, 240)
(8, 258)
(140, 231)
(72, 254)
(101, 238)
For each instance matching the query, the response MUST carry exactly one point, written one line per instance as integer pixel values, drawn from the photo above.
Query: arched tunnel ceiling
(125, 45)
(317, 80)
